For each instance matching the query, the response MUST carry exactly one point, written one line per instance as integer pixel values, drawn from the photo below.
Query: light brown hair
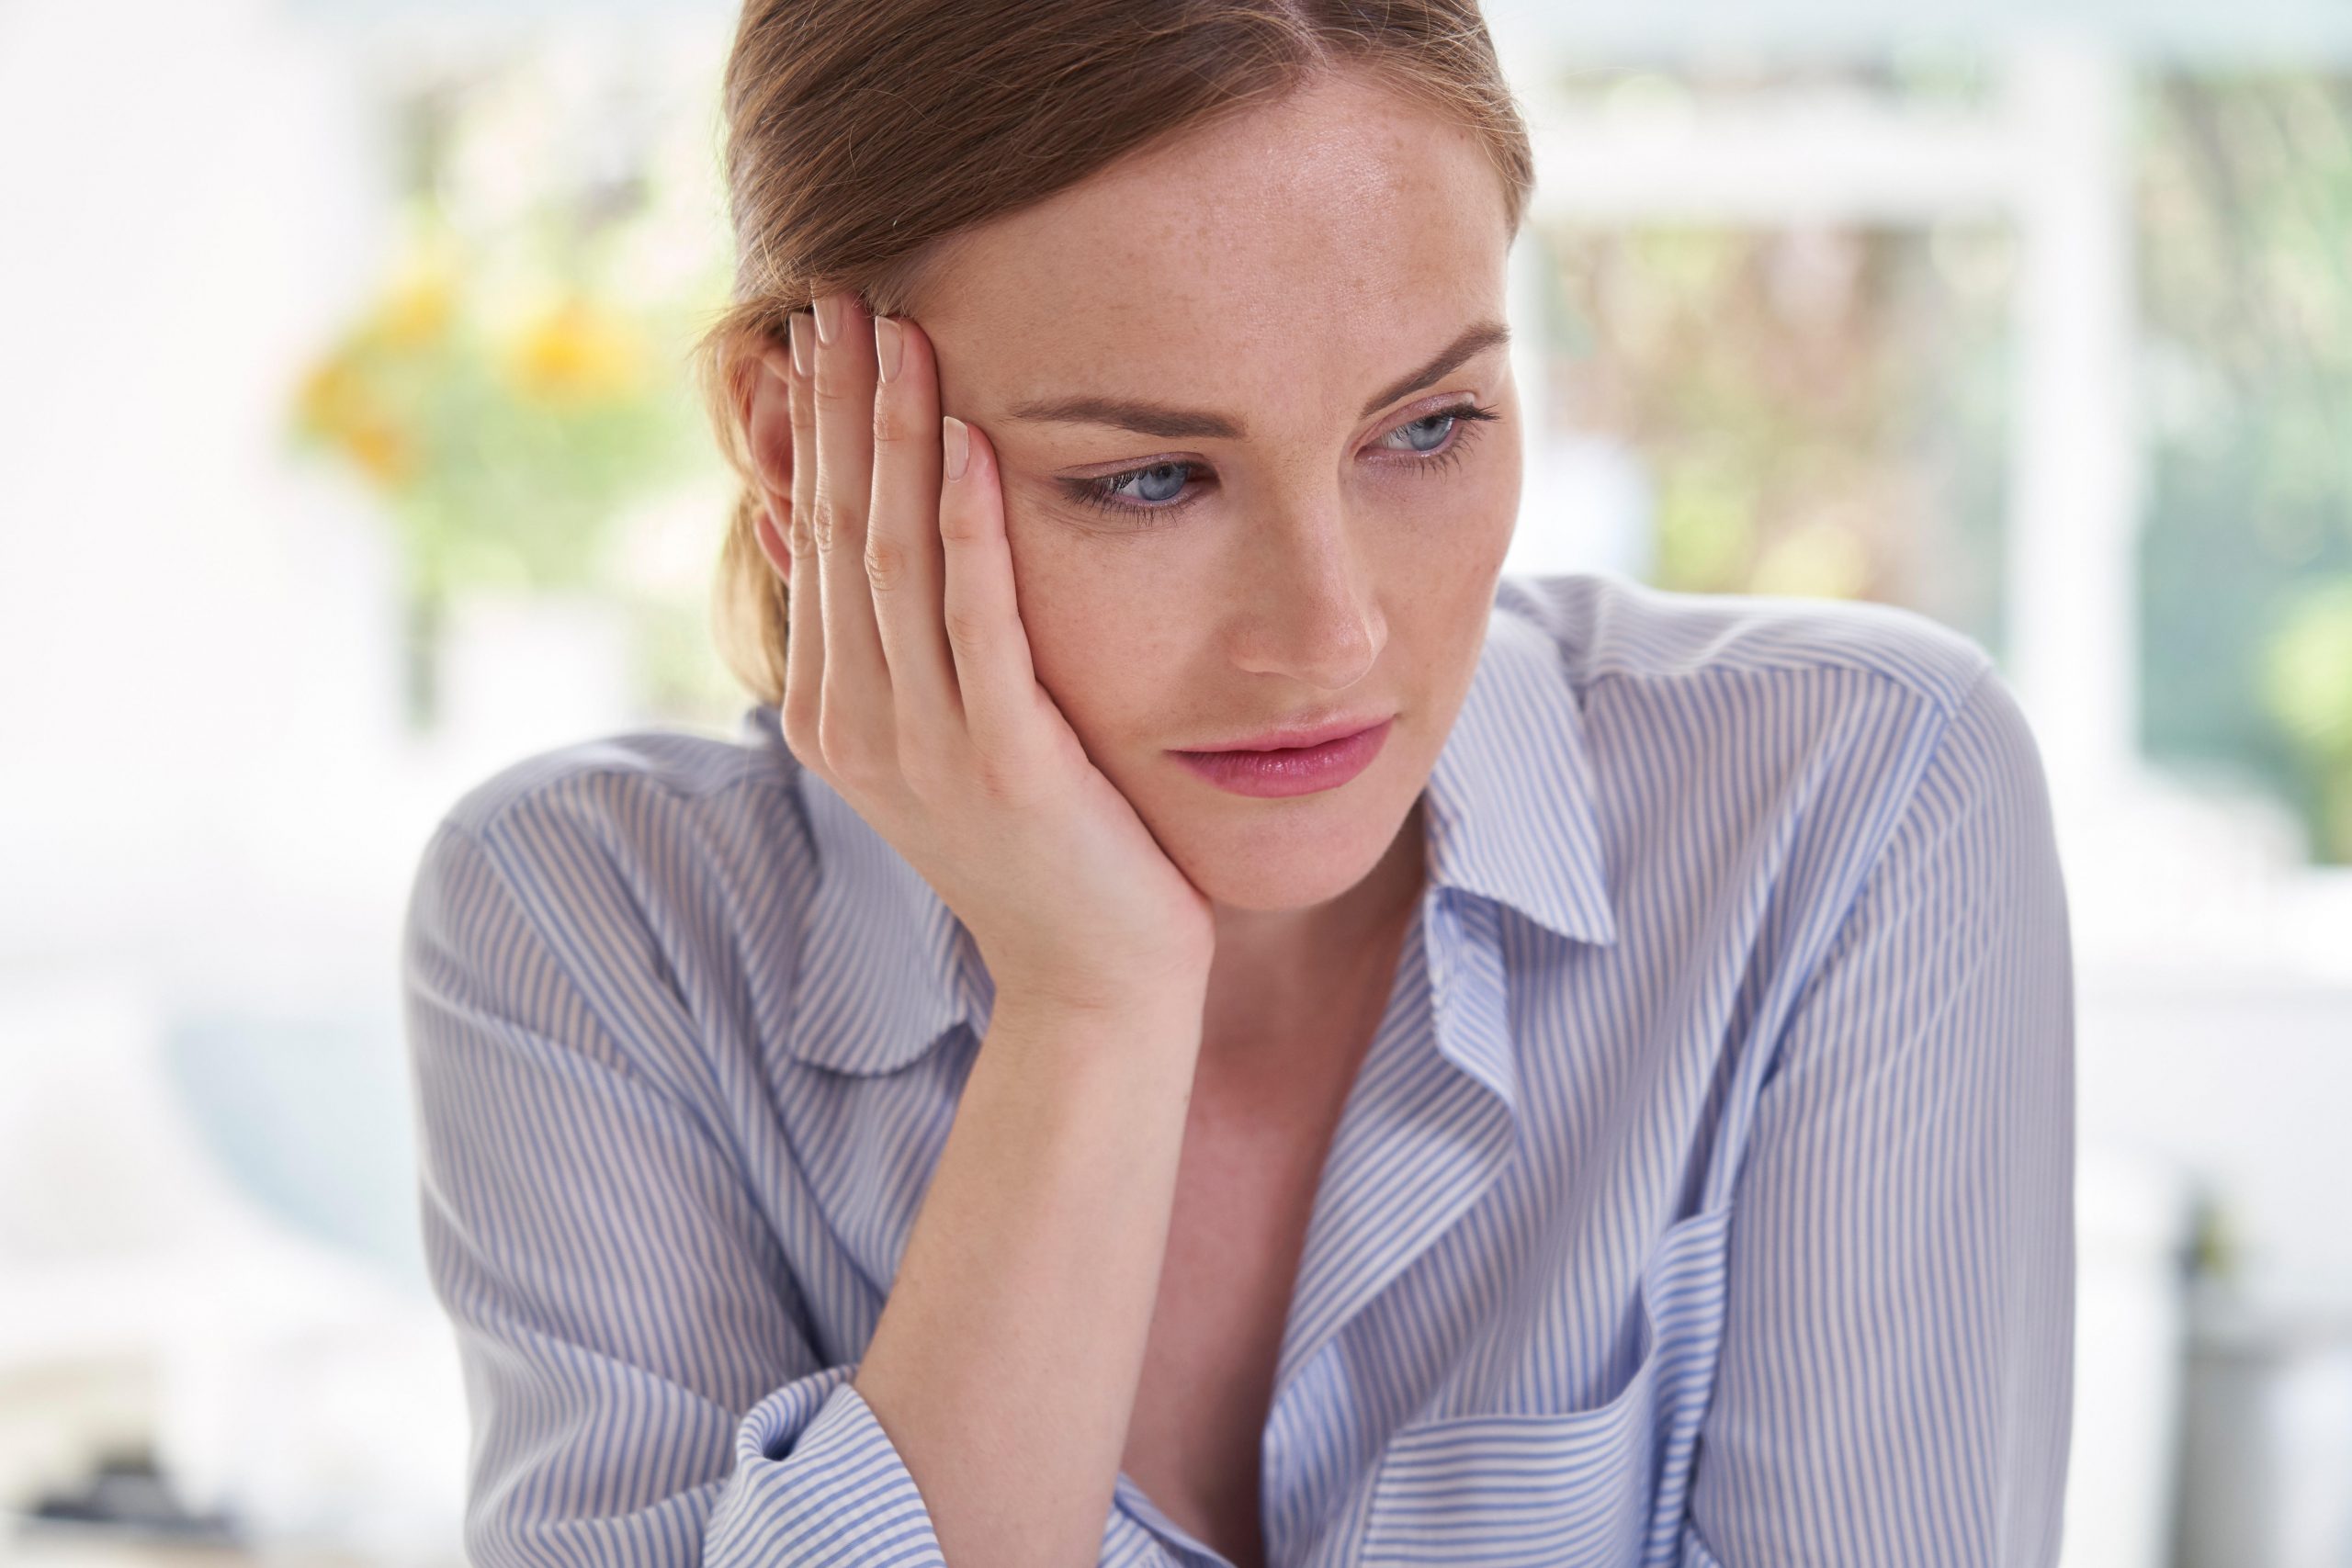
(861, 132)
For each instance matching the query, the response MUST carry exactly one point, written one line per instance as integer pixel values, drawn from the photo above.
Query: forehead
(1338, 232)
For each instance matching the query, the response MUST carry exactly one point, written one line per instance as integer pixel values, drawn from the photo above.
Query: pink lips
(1296, 769)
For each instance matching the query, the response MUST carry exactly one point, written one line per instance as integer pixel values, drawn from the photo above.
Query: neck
(1274, 964)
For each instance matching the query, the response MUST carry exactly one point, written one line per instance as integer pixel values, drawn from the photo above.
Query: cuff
(818, 1483)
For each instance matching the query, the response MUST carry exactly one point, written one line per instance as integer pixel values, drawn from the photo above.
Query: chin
(1299, 854)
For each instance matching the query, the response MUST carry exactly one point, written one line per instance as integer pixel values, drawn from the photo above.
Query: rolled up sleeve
(1896, 1374)
(640, 1386)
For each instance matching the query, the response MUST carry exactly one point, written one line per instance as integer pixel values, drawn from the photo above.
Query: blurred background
(348, 453)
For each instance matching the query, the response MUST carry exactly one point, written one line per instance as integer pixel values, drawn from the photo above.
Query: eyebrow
(1174, 424)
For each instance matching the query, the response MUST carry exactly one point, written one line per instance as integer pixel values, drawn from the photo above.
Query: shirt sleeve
(1896, 1374)
(639, 1387)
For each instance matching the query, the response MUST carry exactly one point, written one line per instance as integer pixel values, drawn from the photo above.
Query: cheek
(1492, 504)
(1102, 642)
(1447, 548)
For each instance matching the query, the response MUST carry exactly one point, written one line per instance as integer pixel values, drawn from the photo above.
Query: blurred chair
(205, 1249)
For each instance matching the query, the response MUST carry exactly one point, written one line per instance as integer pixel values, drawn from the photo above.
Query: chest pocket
(1600, 1487)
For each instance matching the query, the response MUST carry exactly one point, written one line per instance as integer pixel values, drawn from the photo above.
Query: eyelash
(1098, 492)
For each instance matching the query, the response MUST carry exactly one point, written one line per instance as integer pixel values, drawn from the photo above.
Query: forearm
(1005, 1362)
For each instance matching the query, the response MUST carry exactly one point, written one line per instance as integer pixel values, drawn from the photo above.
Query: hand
(908, 689)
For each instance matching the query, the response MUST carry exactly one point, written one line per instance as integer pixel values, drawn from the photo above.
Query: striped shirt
(1704, 1198)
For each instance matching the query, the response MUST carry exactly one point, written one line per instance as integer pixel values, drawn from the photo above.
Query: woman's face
(1303, 294)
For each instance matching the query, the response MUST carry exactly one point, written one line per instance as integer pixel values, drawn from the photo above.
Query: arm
(1898, 1361)
(1006, 1361)
(642, 1386)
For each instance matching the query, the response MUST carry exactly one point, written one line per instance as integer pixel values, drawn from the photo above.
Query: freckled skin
(1281, 268)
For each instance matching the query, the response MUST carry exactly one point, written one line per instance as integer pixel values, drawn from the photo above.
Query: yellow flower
(416, 309)
(333, 397)
(573, 352)
(383, 451)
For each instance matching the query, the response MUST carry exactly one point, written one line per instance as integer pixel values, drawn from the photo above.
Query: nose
(1307, 609)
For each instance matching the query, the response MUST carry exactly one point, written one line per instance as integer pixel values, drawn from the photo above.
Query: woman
(1611, 1105)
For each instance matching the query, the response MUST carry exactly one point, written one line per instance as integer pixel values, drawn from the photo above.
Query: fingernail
(801, 352)
(828, 317)
(887, 345)
(959, 444)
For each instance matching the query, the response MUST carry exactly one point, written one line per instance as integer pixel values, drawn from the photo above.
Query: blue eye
(1160, 484)
(1436, 435)
(1154, 489)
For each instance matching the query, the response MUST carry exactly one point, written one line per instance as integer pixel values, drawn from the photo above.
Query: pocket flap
(1522, 1489)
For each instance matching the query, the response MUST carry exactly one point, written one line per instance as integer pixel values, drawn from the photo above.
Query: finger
(978, 613)
(804, 653)
(856, 705)
(903, 559)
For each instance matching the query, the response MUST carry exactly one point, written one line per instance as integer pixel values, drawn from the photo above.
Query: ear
(767, 421)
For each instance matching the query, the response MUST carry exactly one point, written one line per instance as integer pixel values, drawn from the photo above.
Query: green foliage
(518, 388)
(2246, 204)
(504, 449)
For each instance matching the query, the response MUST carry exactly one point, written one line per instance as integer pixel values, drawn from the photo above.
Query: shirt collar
(886, 968)
(1510, 810)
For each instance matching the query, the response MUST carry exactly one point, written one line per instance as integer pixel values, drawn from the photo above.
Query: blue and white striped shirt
(1704, 1198)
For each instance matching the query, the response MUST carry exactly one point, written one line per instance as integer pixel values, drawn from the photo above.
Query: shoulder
(1612, 628)
(629, 840)
(697, 803)
(658, 768)
(1847, 714)
(621, 889)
